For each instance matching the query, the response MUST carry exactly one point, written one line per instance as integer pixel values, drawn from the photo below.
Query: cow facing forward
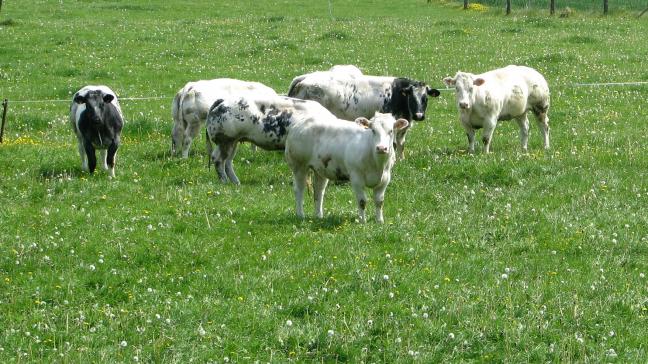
(97, 121)
(192, 102)
(263, 121)
(348, 94)
(361, 152)
(502, 94)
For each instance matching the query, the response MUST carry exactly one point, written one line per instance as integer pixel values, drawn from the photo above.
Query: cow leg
(219, 156)
(319, 187)
(191, 132)
(523, 122)
(399, 143)
(229, 166)
(299, 185)
(379, 197)
(470, 133)
(177, 137)
(111, 159)
(358, 189)
(487, 135)
(102, 156)
(90, 155)
(543, 123)
(82, 154)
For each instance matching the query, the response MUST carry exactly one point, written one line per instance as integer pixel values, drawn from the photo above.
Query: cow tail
(293, 90)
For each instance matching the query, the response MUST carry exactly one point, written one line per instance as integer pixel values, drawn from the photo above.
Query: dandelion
(386, 277)
(610, 353)
(92, 267)
(425, 315)
(330, 333)
(504, 276)
(451, 336)
(201, 331)
(288, 323)
(123, 344)
(641, 275)
(391, 294)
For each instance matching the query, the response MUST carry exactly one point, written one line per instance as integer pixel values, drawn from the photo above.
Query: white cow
(361, 152)
(502, 94)
(263, 121)
(192, 102)
(349, 94)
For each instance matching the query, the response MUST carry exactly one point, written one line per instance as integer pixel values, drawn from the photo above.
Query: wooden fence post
(465, 4)
(4, 115)
(508, 7)
(605, 7)
(552, 7)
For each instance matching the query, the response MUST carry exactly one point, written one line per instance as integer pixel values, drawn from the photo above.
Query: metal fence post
(605, 7)
(465, 4)
(508, 7)
(4, 114)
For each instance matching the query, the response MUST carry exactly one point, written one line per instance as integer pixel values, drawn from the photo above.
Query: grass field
(507, 257)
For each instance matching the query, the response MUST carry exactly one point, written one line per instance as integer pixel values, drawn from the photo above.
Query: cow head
(383, 128)
(95, 102)
(413, 96)
(464, 84)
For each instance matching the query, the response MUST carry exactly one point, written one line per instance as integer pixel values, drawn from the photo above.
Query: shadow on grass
(56, 172)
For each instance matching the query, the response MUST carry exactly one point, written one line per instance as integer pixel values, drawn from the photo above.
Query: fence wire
(581, 5)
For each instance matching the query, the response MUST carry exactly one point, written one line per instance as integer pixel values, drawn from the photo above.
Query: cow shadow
(56, 172)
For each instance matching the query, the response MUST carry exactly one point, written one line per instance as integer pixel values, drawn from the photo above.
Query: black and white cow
(97, 121)
(349, 95)
(263, 121)
(191, 104)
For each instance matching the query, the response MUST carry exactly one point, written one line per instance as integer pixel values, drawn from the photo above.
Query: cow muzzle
(419, 116)
(464, 105)
(381, 149)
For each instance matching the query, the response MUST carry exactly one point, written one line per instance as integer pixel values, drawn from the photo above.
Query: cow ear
(79, 99)
(108, 98)
(449, 81)
(400, 124)
(479, 81)
(433, 92)
(364, 122)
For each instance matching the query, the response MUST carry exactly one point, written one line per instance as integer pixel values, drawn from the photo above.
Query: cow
(501, 94)
(349, 94)
(97, 121)
(192, 102)
(362, 152)
(263, 121)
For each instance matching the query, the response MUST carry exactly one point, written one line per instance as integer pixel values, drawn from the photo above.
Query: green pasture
(506, 257)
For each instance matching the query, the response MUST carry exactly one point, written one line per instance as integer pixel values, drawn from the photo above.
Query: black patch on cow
(326, 160)
(362, 203)
(339, 176)
(218, 108)
(298, 101)
(401, 102)
(243, 104)
(277, 122)
(255, 119)
(262, 108)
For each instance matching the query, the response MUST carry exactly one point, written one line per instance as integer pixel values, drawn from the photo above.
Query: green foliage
(507, 257)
